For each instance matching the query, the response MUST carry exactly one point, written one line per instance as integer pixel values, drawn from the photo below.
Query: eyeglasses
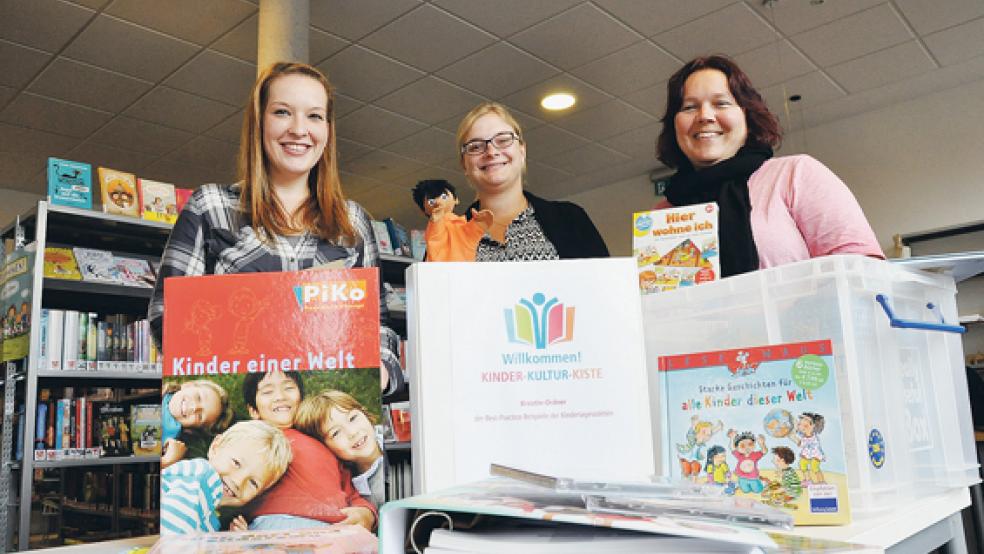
(501, 141)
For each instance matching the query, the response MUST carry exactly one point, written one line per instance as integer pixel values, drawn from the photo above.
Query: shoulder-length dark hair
(325, 213)
(763, 125)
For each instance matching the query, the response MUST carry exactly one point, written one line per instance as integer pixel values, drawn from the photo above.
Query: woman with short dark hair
(719, 135)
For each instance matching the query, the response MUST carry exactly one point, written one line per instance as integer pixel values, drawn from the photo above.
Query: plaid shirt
(212, 236)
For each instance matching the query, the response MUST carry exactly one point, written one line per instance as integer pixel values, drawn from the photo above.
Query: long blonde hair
(325, 212)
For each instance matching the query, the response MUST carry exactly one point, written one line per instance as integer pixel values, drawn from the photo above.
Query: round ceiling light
(558, 101)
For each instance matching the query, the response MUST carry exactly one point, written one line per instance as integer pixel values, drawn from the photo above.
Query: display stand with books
(79, 487)
(395, 424)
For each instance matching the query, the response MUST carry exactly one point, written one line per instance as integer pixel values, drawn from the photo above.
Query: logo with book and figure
(540, 322)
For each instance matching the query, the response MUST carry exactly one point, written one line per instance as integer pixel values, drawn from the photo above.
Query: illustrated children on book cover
(676, 247)
(784, 440)
(158, 201)
(295, 352)
(118, 191)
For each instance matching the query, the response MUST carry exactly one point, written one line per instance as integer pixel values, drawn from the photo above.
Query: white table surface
(882, 531)
(894, 527)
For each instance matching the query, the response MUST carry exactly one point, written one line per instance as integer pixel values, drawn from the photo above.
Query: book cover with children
(158, 201)
(676, 247)
(118, 192)
(762, 422)
(270, 401)
(16, 278)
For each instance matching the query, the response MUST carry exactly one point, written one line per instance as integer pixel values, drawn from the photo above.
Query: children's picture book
(337, 539)
(418, 244)
(118, 192)
(762, 422)
(158, 201)
(676, 247)
(398, 236)
(145, 429)
(383, 240)
(97, 266)
(113, 428)
(15, 301)
(59, 263)
(279, 372)
(135, 272)
(181, 197)
(70, 183)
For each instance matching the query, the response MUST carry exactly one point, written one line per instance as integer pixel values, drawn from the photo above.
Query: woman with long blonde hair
(287, 212)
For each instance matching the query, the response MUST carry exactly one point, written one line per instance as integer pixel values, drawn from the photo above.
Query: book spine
(101, 342)
(59, 419)
(56, 323)
(70, 436)
(43, 340)
(80, 361)
(70, 341)
(49, 428)
(39, 425)
(90, 440)
(92, 341)
(80, 423)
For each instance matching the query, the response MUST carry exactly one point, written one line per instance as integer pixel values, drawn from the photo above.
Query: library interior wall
(14, 203)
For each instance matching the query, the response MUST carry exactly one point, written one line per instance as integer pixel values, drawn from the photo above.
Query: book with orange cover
(59, 263)
(118, 191)
(298, 351)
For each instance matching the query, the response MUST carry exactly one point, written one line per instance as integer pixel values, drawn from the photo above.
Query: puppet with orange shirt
(450, 237)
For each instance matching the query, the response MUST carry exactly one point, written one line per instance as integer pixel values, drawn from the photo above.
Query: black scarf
(727, 184)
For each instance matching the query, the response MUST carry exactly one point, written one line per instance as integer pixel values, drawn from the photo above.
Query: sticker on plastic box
(876, 448)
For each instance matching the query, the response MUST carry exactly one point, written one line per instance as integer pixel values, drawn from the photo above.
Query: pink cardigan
(801, 210)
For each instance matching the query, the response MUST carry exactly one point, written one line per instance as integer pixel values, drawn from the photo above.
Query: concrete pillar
(283, 32)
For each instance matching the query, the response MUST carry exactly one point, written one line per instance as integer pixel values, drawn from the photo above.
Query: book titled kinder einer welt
(762, 422)
(292, 356)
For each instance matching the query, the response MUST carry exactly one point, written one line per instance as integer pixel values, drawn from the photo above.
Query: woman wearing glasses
(524, 227)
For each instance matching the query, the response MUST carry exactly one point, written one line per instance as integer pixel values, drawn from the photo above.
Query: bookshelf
(51, 507)
(393, 271)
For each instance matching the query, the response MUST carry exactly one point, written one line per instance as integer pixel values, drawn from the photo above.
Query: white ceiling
(155, 87)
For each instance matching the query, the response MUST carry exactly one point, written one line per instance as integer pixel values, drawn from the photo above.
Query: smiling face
(445, 202)
(244, 474)
(277, 398)
(710, 126)
(745, 446)
(295, 127)
(804, 426)
(351, 436)
(195, 406)
(493, 170)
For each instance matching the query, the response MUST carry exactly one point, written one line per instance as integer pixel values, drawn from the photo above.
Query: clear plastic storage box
(903, 391)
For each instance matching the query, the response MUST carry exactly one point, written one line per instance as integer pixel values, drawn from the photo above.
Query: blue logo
(876, 448)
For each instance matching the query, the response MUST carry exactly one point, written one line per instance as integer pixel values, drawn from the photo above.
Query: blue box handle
(907, 324)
